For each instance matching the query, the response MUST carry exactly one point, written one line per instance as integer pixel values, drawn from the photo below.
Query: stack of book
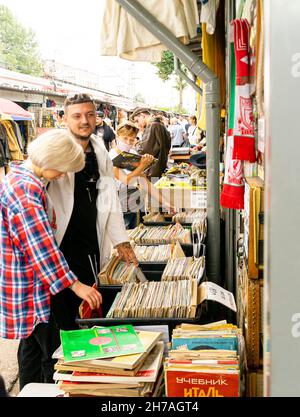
(160, 234)
(152, 299)
(110, 361)
(184, 268)
(204, 361)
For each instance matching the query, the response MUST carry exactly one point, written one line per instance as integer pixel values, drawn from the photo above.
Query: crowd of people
(61, 213)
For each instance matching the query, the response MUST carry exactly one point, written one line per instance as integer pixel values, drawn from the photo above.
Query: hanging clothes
(18, 136)
(232, 195)
(260, 59)
(5, 155)
(122, 35)
(13, 145)
(213, 51)
(243, 128)
(208, 15)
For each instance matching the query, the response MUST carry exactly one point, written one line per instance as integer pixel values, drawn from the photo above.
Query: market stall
(16, 131)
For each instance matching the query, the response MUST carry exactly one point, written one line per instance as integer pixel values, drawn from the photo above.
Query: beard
(81, 137)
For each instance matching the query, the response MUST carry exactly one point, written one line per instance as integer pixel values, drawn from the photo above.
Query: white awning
(122, 35)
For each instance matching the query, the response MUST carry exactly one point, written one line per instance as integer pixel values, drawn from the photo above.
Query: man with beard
(88, 212)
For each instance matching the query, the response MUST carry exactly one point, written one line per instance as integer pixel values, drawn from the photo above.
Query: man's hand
(87, 293)
(126, 253)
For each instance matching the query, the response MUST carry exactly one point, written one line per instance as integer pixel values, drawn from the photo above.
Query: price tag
(198, 199)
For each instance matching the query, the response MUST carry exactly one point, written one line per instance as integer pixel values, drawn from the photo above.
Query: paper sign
(212, 291)
(198, 199)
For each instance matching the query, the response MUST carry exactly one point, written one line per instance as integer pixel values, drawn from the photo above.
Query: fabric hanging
(232, 195)
(5, 155)
(208, 15)
(213, 51)
(260, 60)
(122, 35)
(243, 128)
(13, 145)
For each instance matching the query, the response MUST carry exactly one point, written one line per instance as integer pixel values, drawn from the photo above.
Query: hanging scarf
(243, 128)
(232, 195)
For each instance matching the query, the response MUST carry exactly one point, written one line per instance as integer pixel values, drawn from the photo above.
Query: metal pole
(212, 84)
(182, 75)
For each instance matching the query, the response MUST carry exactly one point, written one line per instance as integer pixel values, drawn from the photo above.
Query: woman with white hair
(32, 268)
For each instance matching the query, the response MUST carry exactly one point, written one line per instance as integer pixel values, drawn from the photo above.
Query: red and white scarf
(243, 129)
(240, 142)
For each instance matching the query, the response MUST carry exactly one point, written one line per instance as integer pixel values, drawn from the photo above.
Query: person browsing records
(32, 268)
(89, 216)
(133, 185)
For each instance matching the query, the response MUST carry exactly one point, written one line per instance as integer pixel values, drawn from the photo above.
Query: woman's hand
(87, 293)
(146, 160)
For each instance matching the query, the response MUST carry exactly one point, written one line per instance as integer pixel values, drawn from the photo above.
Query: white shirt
(177, 132)
(192, 135)
(121, 187)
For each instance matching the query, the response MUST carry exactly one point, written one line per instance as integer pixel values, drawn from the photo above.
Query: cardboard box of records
(181, 196)
(253, 226)
(253, 327)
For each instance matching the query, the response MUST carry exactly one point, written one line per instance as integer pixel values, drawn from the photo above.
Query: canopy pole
(186, 78)
(212, 93)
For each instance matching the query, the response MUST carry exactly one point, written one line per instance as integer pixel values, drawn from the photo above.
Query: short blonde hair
(56, 149)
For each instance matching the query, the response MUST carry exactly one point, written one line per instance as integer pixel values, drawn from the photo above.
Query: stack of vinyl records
(160, 234)
(189, 216)
(114, 361)
(117, 272)
(204, 361)
(164, 299)
(184, 268)
(154, 217)
(159, 253)
(181, 151)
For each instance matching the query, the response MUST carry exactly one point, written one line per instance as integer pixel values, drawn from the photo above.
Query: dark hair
(61, 113)
(77, 98)
(193, 117)
(137, 111)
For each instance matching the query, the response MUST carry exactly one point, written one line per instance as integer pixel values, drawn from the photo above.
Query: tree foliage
(165, 66)
(166, 70)
(19, 48)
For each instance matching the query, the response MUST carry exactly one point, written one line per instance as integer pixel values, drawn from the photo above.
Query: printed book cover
(198, 343)
(183, 383)
(100, 342)
(127, 160)
(147, 373)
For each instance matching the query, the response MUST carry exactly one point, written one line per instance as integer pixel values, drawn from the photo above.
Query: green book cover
(100, 342)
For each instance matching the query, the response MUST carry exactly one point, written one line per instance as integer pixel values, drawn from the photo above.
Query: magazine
(100, 342)
(129, 161)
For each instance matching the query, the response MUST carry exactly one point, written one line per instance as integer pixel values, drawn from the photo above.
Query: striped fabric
(31, 264)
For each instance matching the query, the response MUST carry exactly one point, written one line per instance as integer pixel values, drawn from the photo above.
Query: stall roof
(16, 112)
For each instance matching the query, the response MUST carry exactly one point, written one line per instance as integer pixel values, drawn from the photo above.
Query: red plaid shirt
(31, 264)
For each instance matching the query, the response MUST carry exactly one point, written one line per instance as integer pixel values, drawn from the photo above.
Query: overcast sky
(69, 32)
